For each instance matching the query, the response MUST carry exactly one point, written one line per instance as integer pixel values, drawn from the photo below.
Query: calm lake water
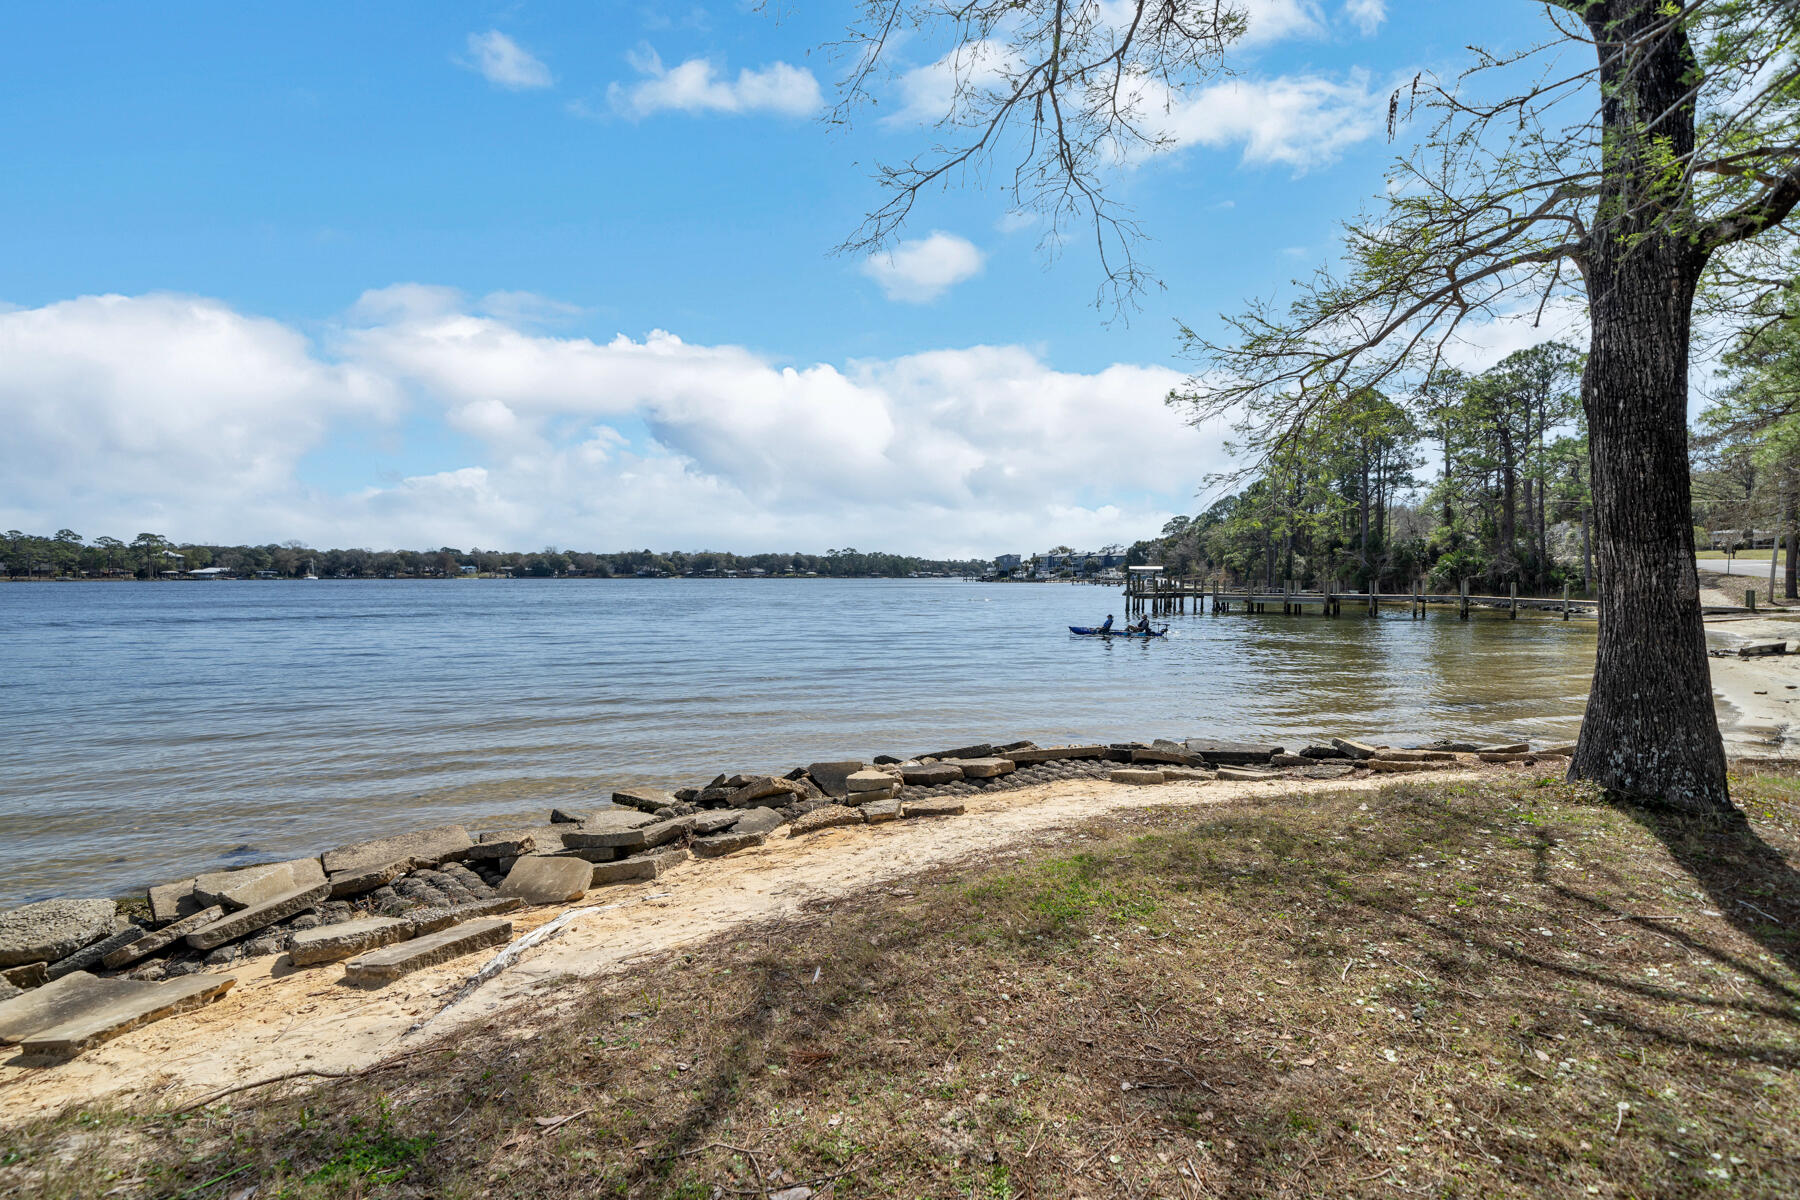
(150, 730)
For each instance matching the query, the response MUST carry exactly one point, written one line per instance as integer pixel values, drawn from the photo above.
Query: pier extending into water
(1159, 595)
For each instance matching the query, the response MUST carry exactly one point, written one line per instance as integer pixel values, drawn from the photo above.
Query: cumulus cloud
(180, 415)
(505, 63)
(922, 269)
(1299, 121)
(132, 405)
(697, 86)
(1366, 15)
(1276, 20)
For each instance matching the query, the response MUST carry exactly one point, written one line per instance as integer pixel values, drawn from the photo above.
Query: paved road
(1740, 566)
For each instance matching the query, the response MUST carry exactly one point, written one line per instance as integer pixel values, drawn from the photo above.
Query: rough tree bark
(1650, 732)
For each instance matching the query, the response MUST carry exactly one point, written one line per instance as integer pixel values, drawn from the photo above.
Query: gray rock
(428, 847)
(224, 956)
(53, 929)
(1291, 760)
(392, 962)
(1321, 752)
(881, 811)
(249, 886)
(305, 921)
(8, 989)
(89, 957)
(168, 935)
(831, 776)
(1136, 775)
(540, 880)
(242, 924)
(562, 816)
(266, 943)
(1161, 756)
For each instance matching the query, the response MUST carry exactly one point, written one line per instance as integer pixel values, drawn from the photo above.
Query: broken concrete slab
(829, 817)
(1506, 748)
(986, 768)
(868, 781)
(761, 788)
(9, 989)
(355, 883)
(881, 811)
(55, 1002)
(759, 820)
(430, 920)
(721, 844)
(650, 800)
(638, 868)
(426, 848)
(611, 820)
(249, 886)
(107, 1019)
(1762, 649)
(1350, 749)
(592, 854)
(562, 816)
(929, 774)
(509, 844)
(235, 925)
(173, 901)
(1506, 756)
(89, 957)
(1166, 757)
(331, 943)
(1188, 774)
(886, 793)
(538, 879)
(29, 976)
(716, 821)
(1042, 754)
(53, 929)
(1136, 775)
(1231, 753)
(1397, 766)
(641, 836)
(1245, 774)
(984, 750)
(168, 935)
(935, 806)
(392, 962)
(831, 776)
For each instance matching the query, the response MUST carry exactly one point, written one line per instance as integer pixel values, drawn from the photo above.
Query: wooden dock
(1163, 596)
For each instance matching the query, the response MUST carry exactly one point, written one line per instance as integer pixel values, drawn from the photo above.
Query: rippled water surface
(150, 730)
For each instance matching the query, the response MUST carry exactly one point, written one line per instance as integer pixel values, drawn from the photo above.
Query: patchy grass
(1498, 988)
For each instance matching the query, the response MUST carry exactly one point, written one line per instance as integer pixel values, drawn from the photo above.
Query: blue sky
(413, 274)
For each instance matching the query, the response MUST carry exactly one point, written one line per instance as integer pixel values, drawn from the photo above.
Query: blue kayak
(1095, 631)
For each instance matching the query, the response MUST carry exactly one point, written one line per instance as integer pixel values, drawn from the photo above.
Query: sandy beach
(279, 1019)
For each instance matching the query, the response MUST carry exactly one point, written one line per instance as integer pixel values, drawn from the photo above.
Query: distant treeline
(151, 556)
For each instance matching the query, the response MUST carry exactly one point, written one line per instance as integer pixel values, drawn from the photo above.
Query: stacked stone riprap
(375, 896)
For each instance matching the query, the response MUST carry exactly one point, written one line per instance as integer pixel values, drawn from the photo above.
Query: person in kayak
(1107, 628)
(1143, 625)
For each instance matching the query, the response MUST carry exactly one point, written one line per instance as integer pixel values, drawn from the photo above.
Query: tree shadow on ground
(1753, 885)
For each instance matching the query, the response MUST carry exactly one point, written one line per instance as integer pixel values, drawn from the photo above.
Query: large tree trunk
(1650, 732)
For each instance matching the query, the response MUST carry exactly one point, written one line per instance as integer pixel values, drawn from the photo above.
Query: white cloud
(698, 86)
(1366, 15)
(504, 62)
(179, 415)
(143, 405)
(1300, 121)
(1276, 20)
(922, 269)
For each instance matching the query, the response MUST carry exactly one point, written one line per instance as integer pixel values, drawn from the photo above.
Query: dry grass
(1501, 988)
